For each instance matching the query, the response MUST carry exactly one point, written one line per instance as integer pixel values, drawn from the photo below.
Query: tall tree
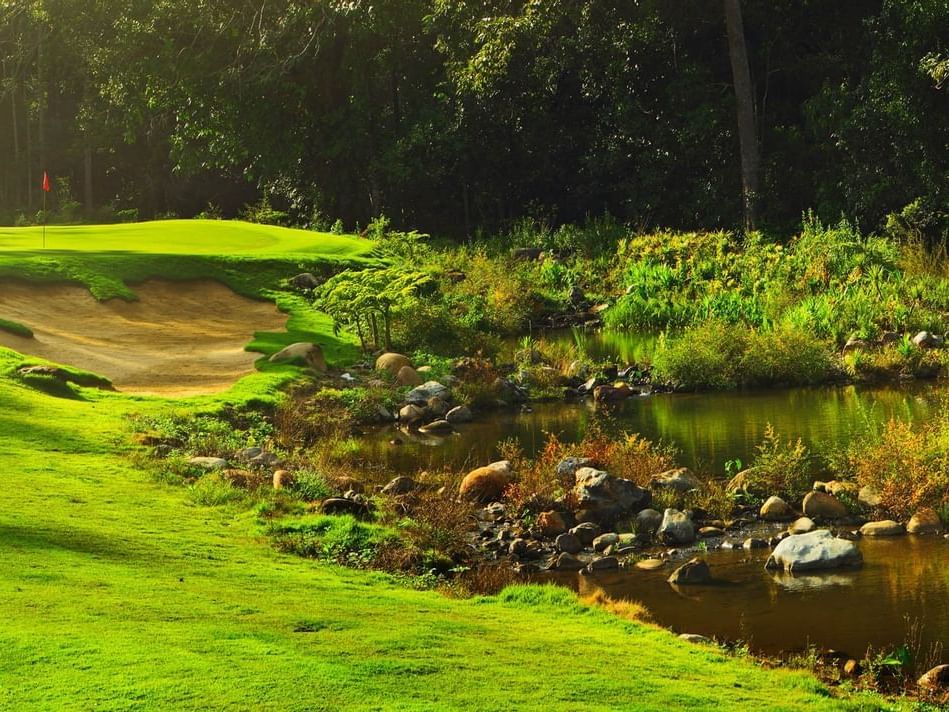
(745, 103)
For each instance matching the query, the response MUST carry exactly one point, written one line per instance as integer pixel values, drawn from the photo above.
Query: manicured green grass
(116, 593)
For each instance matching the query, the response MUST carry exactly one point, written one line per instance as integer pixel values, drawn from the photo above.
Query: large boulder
(306, 281)
(303, 354)
(869, 497)
(392, 362)
(407, 376)
(680, 480)
(776, 509)
(569, 543)
(884, 528)
(211, 464)
(487, 484)
(569, 465)
(428, 391)
(936, 679)
(925, 521)
(459, 414)
(824, 506)
(676, 528)
(816, 550)
(648, 522)
(604, 497)
(691, 573)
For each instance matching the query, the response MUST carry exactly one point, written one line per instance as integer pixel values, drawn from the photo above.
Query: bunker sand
(179, 339)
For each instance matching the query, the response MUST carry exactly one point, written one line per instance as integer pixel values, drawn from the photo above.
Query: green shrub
(703, 357)
(342, 539)
(310, 486)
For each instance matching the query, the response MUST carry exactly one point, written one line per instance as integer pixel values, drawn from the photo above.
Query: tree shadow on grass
(77, 541)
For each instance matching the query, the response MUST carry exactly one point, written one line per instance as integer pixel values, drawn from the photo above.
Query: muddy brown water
(904, 583)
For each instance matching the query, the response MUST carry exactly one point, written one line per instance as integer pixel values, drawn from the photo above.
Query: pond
(903, 584)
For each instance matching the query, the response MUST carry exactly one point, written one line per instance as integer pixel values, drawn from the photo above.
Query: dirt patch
(179, 339)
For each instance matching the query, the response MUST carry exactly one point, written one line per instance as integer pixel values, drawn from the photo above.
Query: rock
(438, 407)
(305, 281)
(340, 505)
(676, 528)
(461, 414)
(282, 479)
(650, 564)
(691, 573)
(551, 524)
(925, 521)
(816, 550)
(400, 485)
(424, 369)
(392, 362)
(802, 526)
(508, 391)
(427, 391)
(680, 480)
(493, 512)
(304, 354)
(935, 679)
(265, 460)
(411, 414)
(609, 393)
(926, 340)
(775, 509)
(407, 376)
(837, 488)
(604, 541)
(569, 544)
(605, 563)
(884, 528)
(606, 497)
(869, 497)
(437, 426)
(487, 484)
(824, 506)
(754, 543)
(208, 463)
(852, 668)
(854, 344)
(518, 548)
(696, 639)
(586, 533)
(569, 465)
(648, 522)
(247, 454)
(568, 562)
(709, 532)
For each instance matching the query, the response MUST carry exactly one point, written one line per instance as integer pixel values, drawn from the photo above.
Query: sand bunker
(179, 339)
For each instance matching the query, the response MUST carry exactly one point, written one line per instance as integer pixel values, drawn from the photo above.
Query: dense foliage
(451, 116)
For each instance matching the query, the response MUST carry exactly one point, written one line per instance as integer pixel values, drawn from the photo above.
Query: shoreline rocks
(814, 551)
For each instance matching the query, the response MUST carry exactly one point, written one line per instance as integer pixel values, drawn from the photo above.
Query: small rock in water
(885, 528)
(568, 562)
(605, 540)
(709, 532)
(754, 543)
(676, 528)
(648, 522)
(437, 426)
(605, 563)
(650, 564)
(925, 521)
(586, 532)
(460, 414)
(693, 572)
(802, 526)
(816, 550)
(775, 509)
(823, 505)
(569, 544)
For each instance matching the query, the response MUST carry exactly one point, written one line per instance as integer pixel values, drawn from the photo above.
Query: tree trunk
(87, 183)
(745, 101)
(387, 322)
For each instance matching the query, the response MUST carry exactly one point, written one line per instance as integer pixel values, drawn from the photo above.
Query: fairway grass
(118, 593)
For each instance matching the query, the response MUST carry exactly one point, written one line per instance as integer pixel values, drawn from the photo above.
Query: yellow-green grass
(184, 237)
(116, 593)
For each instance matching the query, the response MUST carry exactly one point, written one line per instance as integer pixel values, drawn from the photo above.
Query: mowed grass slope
(116, 592)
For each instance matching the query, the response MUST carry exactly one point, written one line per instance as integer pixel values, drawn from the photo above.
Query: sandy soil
(179, 339)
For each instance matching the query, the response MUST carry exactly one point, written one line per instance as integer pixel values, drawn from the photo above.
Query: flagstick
(44, 219)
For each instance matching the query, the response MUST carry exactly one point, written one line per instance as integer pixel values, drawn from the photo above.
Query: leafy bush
(343, 539)
(779, 468)
(310, 485)
(213, 491)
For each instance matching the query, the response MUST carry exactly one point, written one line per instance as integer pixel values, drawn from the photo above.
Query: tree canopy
(454, 116)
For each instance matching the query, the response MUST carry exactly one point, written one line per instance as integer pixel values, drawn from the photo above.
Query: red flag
(46, 187)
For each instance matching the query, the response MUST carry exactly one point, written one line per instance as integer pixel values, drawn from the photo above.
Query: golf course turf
(118, 592)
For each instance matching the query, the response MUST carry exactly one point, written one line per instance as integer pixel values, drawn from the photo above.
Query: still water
(903, 584)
